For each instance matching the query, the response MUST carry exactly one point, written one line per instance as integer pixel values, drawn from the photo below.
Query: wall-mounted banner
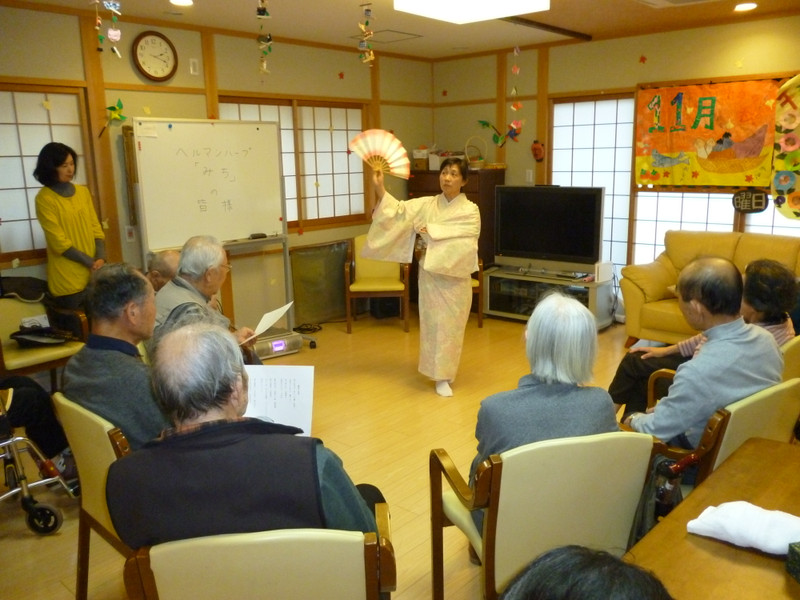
(786, 160)
(716, 134)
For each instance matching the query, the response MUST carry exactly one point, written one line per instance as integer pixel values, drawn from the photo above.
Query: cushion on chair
(462, 518)
(653, 278)
(665, 315)
(377, 284)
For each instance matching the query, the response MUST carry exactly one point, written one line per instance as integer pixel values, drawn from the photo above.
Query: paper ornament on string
(382, 151)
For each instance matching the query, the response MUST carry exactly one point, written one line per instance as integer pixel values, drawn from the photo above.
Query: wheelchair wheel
(44, 519)
(11, 476)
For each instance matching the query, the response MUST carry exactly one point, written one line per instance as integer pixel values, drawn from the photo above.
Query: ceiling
(336, 21)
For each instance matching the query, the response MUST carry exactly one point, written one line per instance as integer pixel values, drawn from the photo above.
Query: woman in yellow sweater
(75, 240)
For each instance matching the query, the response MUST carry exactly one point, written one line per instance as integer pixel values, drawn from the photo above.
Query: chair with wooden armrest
(579, 490)
(477, 290)
(368, 278)
(770, 413)
(95, 444)
(15, 360)
(283, 564)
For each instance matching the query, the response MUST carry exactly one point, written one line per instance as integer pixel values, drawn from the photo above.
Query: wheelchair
(41, 518)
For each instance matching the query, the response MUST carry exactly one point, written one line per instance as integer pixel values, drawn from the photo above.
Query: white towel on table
(747, 525)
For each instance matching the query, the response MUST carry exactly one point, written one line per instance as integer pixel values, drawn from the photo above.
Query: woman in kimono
(448, 226)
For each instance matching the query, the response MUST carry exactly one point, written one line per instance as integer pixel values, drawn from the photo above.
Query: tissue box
(793, 561)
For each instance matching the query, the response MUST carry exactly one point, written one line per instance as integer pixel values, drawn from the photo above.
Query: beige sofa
(651, 309)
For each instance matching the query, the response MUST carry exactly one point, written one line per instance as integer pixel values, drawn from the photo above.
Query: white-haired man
(202, 269)
(225, 473)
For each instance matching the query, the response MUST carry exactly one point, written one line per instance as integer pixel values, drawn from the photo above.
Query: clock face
(155, 56)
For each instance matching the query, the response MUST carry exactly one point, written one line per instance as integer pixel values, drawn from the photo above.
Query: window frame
(304, 223)
(35, 256)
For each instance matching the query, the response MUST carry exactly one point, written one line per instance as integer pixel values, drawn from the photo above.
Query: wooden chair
(15, 360)
(284, 564)
(579, 490)
(367, 278)
(477, 290)
(770, 413)
(95, 444)
(791, 358)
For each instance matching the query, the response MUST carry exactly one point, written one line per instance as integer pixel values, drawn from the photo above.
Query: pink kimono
(451, 256)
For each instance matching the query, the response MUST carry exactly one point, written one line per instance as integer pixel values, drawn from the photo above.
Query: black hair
(458, 162)
(715, 283)
(112, 287)
(580, 573)
(52, 156)
(771, 289)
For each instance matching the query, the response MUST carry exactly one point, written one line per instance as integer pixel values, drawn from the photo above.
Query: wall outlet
(194, 66)
(528, 175)
(130, 234)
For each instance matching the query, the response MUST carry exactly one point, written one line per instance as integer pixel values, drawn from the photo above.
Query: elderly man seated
(736, 360)
(218, 472)
(189, 297)
(107, 376)
(161, 267)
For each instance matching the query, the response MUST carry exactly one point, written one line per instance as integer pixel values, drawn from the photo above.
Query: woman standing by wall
(75, 240)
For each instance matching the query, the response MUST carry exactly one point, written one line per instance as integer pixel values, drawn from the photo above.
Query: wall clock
(155, 56)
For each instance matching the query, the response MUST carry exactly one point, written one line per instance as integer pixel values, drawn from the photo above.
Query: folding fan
(382, 151)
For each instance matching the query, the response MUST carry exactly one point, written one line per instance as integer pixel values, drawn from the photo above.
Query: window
(323, 181)
(592, 145)
(28, 121)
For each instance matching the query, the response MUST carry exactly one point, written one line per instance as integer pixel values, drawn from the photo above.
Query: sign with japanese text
(716, 134)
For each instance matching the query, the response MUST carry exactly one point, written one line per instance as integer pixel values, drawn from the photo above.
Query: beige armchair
(648, 290)
(283, 564)
(579, 490)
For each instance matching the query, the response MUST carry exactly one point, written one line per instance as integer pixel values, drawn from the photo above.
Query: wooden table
(763, 472)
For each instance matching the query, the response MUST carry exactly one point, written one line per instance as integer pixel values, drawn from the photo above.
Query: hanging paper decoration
(114, 34)
(366, 55)
(382, 151)
(264, 40)
(500, 139)
(115, 114)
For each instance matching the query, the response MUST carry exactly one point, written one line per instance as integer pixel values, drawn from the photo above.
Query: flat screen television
(548, 227)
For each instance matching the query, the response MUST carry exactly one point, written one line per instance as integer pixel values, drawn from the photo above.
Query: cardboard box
(435, 160)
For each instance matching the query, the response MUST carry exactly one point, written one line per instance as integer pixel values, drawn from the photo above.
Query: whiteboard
(206, 177)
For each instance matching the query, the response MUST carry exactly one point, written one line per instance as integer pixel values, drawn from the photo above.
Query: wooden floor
(374, 410)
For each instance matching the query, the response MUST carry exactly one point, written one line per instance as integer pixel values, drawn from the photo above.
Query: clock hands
(160, 57)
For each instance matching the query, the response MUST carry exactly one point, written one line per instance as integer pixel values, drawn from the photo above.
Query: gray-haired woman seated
(553, 400)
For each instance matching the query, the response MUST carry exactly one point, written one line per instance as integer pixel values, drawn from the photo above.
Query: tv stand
(513, 292)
